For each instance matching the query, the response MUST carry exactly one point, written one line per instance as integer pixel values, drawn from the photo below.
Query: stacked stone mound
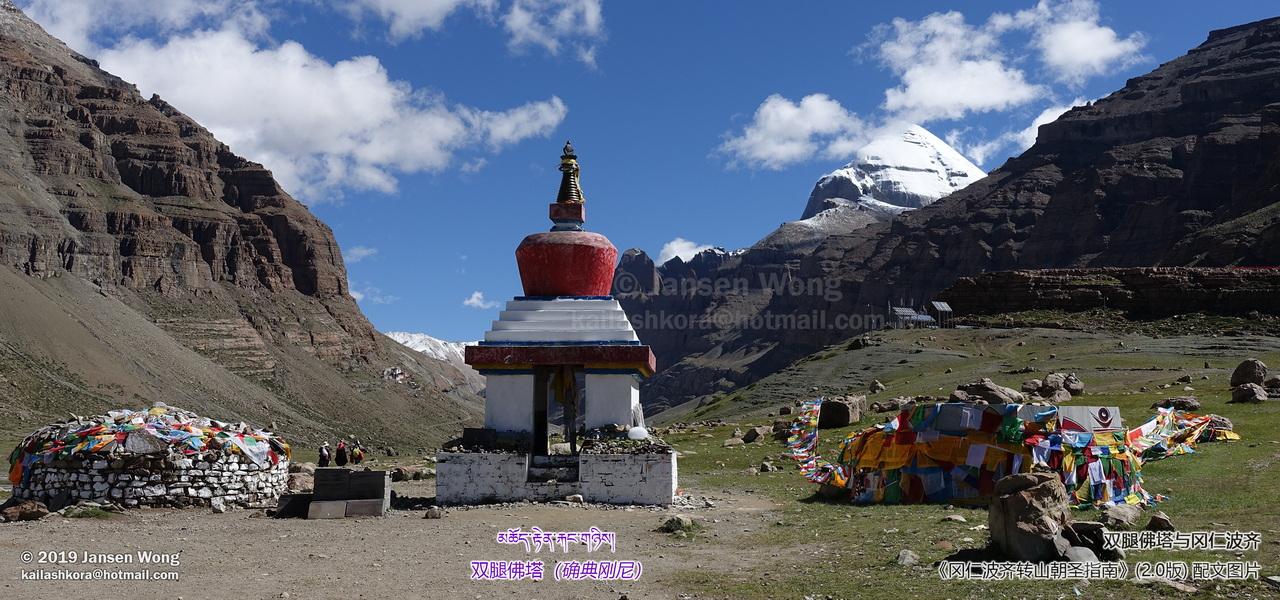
(156, 481)
(161, 456)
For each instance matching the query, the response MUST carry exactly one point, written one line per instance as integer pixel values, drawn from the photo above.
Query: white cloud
(947, 69)
(370, 293)
(321, 127)
(410, 18)
(550, 24)
(77, 22)
(681, 247)
(504, 128)
(1075, 46)
(356, 254)
(1015, 141)
(476, 300)
(782, 132)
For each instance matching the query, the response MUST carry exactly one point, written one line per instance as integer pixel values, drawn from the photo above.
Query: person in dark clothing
(325, 455)
(340, 458)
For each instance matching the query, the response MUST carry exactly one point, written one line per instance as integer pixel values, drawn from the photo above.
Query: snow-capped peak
(433, 347)
(907, 168)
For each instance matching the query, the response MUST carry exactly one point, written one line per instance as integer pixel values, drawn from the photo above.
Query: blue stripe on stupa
(546, 298)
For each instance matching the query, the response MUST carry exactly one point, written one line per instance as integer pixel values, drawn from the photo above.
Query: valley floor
(767, 535)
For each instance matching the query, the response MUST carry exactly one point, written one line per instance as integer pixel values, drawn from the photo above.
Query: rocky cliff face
(1143, 292)
(1179, 167)
(143, 203)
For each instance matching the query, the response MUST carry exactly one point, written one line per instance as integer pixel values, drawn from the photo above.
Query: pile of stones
(1249, 382)
(211, 479)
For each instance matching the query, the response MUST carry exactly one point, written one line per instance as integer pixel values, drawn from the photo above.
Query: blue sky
(426, 132)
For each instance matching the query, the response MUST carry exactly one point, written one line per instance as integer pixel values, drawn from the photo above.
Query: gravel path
(242, 554)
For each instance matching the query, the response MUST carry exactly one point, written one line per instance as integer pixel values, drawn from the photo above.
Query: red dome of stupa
(567, 261)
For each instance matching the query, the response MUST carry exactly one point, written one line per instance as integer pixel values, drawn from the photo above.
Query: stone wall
(484, 477)
(628, 478)
(1142, 291)
(155, 481)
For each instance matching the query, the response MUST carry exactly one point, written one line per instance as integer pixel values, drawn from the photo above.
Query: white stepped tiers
(568, 320)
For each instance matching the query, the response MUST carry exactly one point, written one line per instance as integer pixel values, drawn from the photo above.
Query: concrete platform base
(483, 478)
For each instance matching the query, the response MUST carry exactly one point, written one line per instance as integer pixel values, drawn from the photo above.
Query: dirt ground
(242, 554)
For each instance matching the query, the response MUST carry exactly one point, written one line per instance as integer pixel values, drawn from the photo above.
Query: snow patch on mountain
(907, 168)
(434, 347)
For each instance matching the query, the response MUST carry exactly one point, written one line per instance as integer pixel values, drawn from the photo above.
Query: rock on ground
(1179, 402)
(992, 392)
(1247, 393)
(1027, 515)
(1250, 371)
(1121, 516)
(26, 510)
(841, 411)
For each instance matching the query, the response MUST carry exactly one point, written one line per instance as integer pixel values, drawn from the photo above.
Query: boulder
(1032, 386)
(1027, 515)
(307, 467)
(677, 523)
(301, 483)
(1179, 403)
(959, 396)
(893, 404)
(1058, 396)
(908, 558)
(731, 442)
(1250, 371)
(992, 393)
(1272, 383)
(1121, 516)
(876, 387)
(1160, 522)
(404, 474)
(1091, 535)
(768, 467)
(25, 510)
(841, 412)
(757, 434)
(784, 410)
(1055, 381)
(218, 505)
(1080, 554)
(1073, 384)
(434, 512)
(1249, 392)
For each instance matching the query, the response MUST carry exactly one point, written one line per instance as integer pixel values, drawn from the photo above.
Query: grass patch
(822, 548)
(87, 512)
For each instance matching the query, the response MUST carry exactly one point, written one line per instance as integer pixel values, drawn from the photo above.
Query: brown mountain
(144, 261)
(1179, 167)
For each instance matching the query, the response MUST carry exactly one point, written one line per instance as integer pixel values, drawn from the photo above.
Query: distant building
(903, 317)
(941, 312)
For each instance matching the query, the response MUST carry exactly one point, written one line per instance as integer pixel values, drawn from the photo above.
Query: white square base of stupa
(611, 399)
(489, 477)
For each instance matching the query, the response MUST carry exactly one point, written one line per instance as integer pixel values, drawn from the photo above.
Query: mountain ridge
(1179, 167)
(151, 212)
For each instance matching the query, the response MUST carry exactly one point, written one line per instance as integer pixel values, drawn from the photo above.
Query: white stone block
(611, 398)
(508, 404)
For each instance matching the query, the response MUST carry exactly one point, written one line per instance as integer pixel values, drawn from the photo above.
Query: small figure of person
(357, 453)
(340, 458)
(325, 455)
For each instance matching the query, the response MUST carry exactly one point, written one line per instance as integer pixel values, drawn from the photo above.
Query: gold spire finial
(570, 189)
